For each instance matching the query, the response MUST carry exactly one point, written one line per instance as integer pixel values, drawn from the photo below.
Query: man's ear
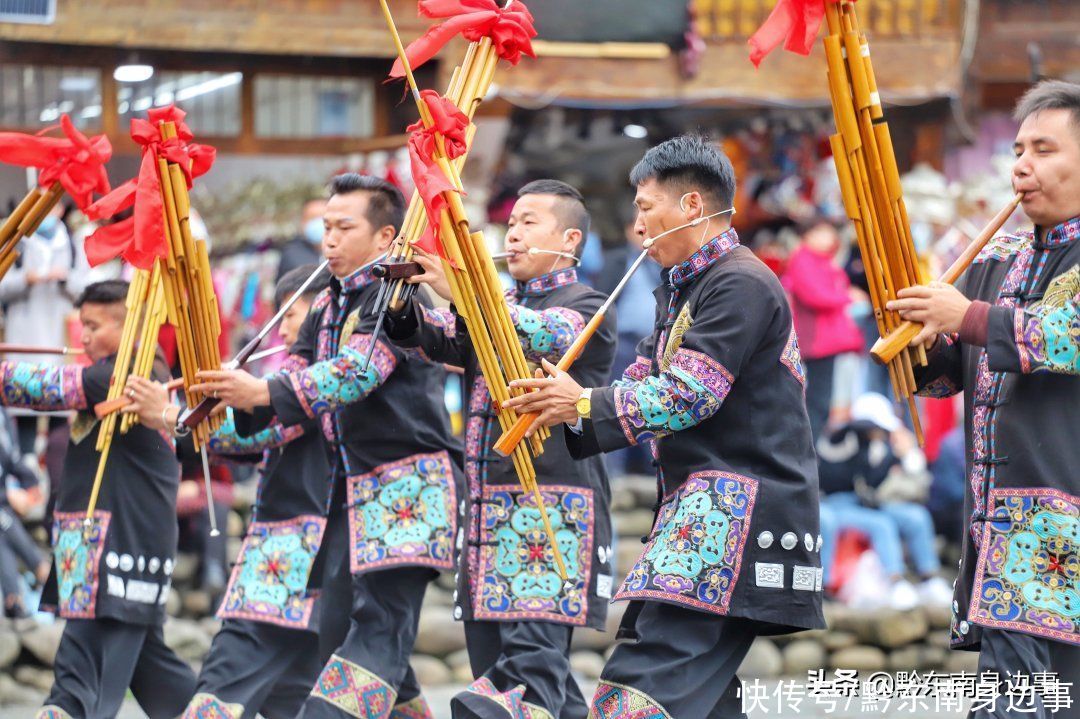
(385, 237)
(572, 239)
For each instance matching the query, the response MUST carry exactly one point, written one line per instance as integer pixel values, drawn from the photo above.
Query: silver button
(955, 607)
(765, 540)
(808, 542)
(789, 540)
(817, 547)
(964, 627)
(457, 612)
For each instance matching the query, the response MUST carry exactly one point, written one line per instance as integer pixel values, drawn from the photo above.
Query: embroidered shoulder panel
(1002, 247)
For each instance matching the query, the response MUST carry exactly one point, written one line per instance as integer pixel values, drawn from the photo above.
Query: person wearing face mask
(519, 616)
(303, 249)
(37, 294)
(110, 577)
(717, 390)
(1008, 337)
(394, 475)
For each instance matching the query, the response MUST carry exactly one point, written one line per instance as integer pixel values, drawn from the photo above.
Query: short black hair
(1050, 95)
(386, 204)
(291, 281)
(106, 292)
(569, 207)
(689, 163)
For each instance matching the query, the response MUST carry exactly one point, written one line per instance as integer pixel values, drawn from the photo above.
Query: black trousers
(507, 655)
(682, 661)
(1015, 653)
(99, 659)
(367, 628)
(258, 668)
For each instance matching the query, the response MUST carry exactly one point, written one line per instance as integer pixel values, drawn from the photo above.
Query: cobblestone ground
(440, 702)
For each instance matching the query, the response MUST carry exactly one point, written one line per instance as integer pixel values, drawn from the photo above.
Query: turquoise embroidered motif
(41, 387)
(546, 334)
(1029, 564)
(403, 514)
(77, 555)
(687, 393)
(517, 577)
(331, 383)
(269, 582)
(695, 552)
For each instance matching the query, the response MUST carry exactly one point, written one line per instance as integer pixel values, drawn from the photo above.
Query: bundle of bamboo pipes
(179, 289)
(138, 344)
(475, 286)
(870, 184)
(24, 221)
(190, 300)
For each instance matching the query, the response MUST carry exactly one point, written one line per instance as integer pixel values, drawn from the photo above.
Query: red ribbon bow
(140, 239)
(452, 125)
(792, 22)
(75, 161)
(510, 29)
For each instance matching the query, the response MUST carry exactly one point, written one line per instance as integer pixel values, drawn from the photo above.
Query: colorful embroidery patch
(329, 384)
(791, 357)
(695, 552)
(77, 549)
(41, 387)
(1029, 564)
(403, 514)
(416, 708)
(208, 706)
(512, 701)
(689, 392)
(269, 582)
(617, 701)
(546, 334)
(354, 690)
(441, 318)
(1003, 247)
(1048, 334)
(517, 577)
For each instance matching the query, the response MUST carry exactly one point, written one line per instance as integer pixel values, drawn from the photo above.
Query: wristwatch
(584, 404)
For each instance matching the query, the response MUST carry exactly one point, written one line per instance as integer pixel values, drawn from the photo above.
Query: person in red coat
(820, 295)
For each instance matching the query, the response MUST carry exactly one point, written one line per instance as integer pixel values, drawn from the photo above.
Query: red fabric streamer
(140, 239)
(75, 161)
(511, 30)
(795, 23)
(452, 125)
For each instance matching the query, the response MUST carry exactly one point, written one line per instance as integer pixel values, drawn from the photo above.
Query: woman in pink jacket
(820, 294)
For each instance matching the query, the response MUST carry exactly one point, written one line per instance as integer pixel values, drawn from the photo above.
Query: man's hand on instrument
(434, 276)
(554, 399)
(939, 307)
(235, 388)
(149, 400)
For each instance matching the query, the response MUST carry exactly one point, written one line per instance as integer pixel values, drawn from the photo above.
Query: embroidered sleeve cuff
(975, 325)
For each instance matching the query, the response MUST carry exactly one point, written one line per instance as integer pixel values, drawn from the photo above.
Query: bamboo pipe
(444, 221)
(888, 346)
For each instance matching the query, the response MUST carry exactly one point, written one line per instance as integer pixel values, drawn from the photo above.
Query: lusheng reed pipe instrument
(887, 347)
(470, 271)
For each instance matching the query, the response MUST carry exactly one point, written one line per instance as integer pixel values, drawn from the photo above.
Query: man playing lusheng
(518, 615)
(393, 510)
(110, 579)
(718, 390)
(1010, 340)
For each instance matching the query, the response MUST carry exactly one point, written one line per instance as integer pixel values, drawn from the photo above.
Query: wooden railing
(736, 20)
